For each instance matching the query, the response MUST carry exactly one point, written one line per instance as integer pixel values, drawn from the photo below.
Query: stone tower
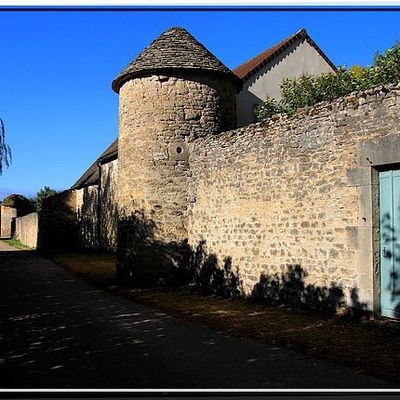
(172, 93)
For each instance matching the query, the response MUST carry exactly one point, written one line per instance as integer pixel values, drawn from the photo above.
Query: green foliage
(309, 90)
(5, 151)
(17, 244)
(21, 203)
(41, 195)
(387, 65)
(271, 107)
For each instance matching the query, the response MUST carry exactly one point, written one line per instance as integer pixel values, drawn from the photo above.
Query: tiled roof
(249, 68)
(110, 153)
(175, 49)
(91, 176)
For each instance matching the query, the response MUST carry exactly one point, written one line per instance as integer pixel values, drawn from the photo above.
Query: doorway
(389, 216)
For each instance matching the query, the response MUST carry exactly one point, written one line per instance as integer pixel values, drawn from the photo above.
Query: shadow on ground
(59, 332)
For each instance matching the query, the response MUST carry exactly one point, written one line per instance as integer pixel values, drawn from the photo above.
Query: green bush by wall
(309, 90)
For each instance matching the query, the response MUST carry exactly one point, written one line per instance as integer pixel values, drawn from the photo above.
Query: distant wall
(108, 206)
(6, 216)
(87, 216)
(58, 222)
(26, 230)
(298, 59)
(90, 226)
(297, 191)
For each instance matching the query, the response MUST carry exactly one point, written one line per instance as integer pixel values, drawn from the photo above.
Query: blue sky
(56, 70)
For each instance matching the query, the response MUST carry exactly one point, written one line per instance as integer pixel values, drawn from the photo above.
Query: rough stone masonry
(163, 108)
(296, 191)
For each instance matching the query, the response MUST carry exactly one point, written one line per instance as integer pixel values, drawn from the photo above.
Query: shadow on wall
(390, 263)
(109, 214)
(58, 223)
(95, 232)
(211, 277)
(142, 259)
(290, 289)
(13, 227)
(87, 218)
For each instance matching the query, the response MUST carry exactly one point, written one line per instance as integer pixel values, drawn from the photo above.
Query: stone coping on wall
(349, 102)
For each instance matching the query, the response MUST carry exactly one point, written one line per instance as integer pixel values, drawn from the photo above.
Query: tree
(5, 151)
(42, 194)
(20, 203)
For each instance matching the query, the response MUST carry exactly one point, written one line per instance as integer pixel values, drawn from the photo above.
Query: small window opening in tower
(179, 150)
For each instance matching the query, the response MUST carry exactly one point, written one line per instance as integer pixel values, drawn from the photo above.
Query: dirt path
(59, 332)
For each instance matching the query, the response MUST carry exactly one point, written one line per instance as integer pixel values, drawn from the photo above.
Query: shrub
(20, 203)
(309, 90)
(271, 107)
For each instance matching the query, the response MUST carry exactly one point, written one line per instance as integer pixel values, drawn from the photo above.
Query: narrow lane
(60, 332)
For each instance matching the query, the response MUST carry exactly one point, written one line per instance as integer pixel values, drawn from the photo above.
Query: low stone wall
(26, 230)
(291, 199)
(6, 217)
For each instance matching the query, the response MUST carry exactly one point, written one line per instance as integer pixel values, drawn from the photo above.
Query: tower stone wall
(160, 115)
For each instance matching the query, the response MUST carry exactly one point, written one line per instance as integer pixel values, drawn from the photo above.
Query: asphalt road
(60, 332)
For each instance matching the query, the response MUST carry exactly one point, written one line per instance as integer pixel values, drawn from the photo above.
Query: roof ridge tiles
(250, 67)
(267, 50)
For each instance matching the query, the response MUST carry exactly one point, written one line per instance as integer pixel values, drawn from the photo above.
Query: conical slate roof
(176, 48)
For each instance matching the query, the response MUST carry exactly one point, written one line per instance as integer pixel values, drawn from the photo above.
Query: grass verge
(17, 244)
(98, 268)
(369, 346)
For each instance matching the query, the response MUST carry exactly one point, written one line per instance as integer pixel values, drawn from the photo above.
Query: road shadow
(59, 332)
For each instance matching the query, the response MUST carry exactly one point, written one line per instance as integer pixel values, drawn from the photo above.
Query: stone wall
(108, 206)
(158, 117)
(87, 216)
(7, 214)
(297, 194)
(26, 230)
(58, 222)
(90, 226)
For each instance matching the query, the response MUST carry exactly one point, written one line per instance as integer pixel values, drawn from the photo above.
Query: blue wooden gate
(389, 205)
